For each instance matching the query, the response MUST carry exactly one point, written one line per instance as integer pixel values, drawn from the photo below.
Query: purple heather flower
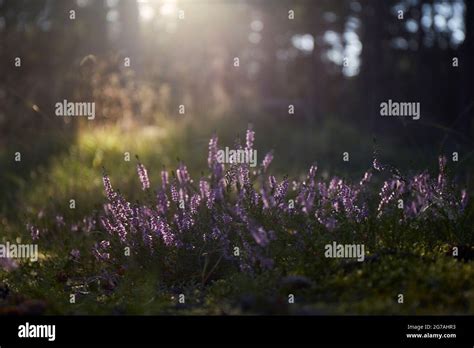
(100, 250)
(281, 190)
(376, 165)
(260, 236)
(210, 199)
(312, 176)
(88, 224)
(108, 187)
(442, 179)
(329, 222)
(183, 221)
(148, 241)
(348, 200)
(204, 188)
(60, 221)
(334, 185)
(219, 189)
(268, 200)
(75, 254)
(143, 176)
(226, 219)
(8, 264)
(162, 202)
(390, 191)
(182, 174)
(164, 179)
(386, 195)
(240, 212)
(272, 182)
(442, 163)
(322, 189)
(121, 210)
(183, 196)
(166, 234)
(250, 138)
(366, 178)
(216, 233)
(305, 198)
(212, 158)
(267, 160)
(34, 231)
(255, 198)
(218, 170)
(174, 193)
(195, 201)
(121, 231)
(244, 176)
(464, 199)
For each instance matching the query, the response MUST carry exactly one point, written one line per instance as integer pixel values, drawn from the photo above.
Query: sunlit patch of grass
(77, 173)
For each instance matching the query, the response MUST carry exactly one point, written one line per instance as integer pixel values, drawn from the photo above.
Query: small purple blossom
(100, 251)
(174, 193)
(267, 160)
(366, 178)
(34, 231)
(464, 199)
(195, 201)
(143, 176)
(260, 236)
(75, 254)
(272, 182)
(182, 174)
(8, 264)
(204, 189)
(250, 138)
(108, 187)
(281, 190)
(212, 158)
(377, 166)
(60, 221)
(164, 179)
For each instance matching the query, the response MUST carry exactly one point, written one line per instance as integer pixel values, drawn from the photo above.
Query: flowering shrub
(249, 218)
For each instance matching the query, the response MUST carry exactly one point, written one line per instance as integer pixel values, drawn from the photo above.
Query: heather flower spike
(143, 175)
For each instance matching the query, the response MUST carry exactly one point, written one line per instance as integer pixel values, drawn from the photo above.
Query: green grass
(432, 283)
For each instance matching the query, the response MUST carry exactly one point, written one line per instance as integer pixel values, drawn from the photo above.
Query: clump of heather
(243, 216)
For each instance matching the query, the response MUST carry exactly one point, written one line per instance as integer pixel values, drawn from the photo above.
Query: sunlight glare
(168, 8)
(146, 11)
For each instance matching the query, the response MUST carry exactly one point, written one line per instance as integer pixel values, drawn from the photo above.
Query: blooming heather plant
(246, 216)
